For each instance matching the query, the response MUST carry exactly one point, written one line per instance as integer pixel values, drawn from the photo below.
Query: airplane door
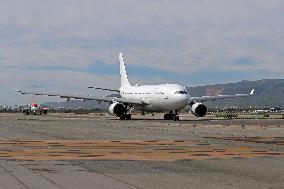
(165, 100)
(162, 98)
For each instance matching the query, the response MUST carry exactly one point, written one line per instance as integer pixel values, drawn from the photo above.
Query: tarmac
(100, 151)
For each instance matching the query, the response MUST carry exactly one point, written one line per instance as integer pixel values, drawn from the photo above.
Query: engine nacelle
(198, 109)
(117, 109)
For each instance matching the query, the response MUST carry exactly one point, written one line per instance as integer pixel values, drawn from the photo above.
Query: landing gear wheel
(125, 117)
(171, 116)
(176, 118)
(122, 117)
(128, 117)
(167, 117)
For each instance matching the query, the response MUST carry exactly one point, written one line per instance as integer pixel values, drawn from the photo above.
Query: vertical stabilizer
(33, 99)
(123, 74)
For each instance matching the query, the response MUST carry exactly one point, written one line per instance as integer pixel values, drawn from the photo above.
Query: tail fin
(33, 100)
(123, 74)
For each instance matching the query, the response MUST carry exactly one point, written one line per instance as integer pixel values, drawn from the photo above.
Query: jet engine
(117, 109)
(198, 109)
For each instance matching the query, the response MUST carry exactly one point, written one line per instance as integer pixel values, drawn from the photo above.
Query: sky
(67, 45)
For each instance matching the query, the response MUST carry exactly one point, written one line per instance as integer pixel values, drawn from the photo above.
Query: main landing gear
(172, 116)
(125, 115)
(27, 112)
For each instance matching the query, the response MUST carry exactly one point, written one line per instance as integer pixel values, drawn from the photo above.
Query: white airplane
(148, 98)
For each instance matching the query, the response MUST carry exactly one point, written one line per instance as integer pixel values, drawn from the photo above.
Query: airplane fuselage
(158, 98)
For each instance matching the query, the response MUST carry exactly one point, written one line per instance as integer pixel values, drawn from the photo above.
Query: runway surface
(98, 151)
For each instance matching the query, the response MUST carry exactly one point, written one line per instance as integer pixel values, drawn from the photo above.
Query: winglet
(22, 92)
(18, 91)
(252, 92)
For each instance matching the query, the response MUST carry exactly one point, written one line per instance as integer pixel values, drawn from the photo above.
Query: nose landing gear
(172, 116)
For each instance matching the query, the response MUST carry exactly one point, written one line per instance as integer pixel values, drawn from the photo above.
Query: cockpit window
(181, 92)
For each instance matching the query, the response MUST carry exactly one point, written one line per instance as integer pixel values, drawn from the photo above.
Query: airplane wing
(213, 98)
(85, 98)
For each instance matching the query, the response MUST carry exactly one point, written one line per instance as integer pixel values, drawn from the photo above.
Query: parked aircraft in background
(35, 109)
(171, 98)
